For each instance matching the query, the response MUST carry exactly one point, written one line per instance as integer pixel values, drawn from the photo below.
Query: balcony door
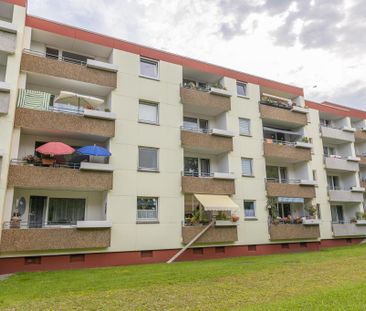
(196, 167)
(333, 182)
(276, 174)
(337, 214)
(37, 207)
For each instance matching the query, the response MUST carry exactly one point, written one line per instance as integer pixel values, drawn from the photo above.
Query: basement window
(34, 260)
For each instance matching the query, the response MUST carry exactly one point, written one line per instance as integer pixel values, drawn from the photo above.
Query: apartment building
(189, 155)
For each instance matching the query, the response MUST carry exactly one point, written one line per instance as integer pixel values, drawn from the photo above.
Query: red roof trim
(17, 2)
(336, 109)
(85, 35)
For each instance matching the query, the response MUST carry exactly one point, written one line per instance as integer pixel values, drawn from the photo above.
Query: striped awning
(33, 99)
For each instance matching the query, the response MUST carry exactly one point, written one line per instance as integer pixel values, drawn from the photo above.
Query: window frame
(249, 134)
(251, 167)
(47, 211)
(151, 61)
(254, 209)
(145, 169)
(149, 103)
(242, 83)
(147, 220)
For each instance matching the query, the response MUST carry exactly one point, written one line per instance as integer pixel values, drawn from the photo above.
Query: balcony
(360, 135)
(348, 230)
(215, 183)
(337, 135)
(293, 232)
(54, 238)
(4, 97)
(288, 152)
(290, 188)
(209, 141)
(94, 73)
(205, 101)
(59, 178)
(8, 37)
(216, 234)
(341, 195)
(362, 160)
(284, 116)
(338, 163)
(51, 121)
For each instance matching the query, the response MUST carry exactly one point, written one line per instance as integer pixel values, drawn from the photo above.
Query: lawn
(332, 279)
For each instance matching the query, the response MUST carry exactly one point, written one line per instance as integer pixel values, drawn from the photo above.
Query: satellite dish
(20, 205)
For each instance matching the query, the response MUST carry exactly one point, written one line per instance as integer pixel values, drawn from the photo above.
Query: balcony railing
(54, 163)
(55, 57)
(280, 142)
(147, 215)
(283, 181)
(275, 103)
(196, 129)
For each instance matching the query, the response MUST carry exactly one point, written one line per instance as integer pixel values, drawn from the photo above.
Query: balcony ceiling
(277, 93)
(69, 44)
(193, 74)
(56, 84)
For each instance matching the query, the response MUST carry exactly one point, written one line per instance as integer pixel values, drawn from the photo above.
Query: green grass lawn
(332, 279)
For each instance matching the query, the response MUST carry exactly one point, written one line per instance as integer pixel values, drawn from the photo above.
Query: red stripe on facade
(336, 109)
(59, 262)
(84, 35)
(17, 2)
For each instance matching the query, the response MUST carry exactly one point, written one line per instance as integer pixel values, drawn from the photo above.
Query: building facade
(221, 161)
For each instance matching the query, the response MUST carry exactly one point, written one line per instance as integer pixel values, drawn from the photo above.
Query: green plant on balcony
(31, 159)
(222, 216)
(199, 217)
(272, 207)
(306, 139)
(311, 211)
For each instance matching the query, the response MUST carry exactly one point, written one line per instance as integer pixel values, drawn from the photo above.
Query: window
(62, 211)
(337, 213)
(246, 167)
(74, 58)
(148, 159)
(191, 123)
(149, 68)
(328, 151)
(333, 182)
(196, 167)
(51, 53)
(241, 88)
(324, 122)
(148, 112)
(249, 209)
(314, 175)
(244, 126)
(276, 174)
(147, 209)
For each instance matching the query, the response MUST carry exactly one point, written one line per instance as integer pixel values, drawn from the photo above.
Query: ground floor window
(147, 209)
(65, 211)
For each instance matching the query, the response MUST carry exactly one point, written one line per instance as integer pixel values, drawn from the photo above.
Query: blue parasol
(94, 151)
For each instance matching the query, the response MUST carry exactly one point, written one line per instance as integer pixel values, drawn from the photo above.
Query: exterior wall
(7, 42)
(7, 121)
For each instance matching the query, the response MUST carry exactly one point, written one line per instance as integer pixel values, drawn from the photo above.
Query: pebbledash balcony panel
(207, 185)
(283, 116)
(212, 235)
(286, 153)
(42, 120)
(362, 160)
(290, 190)
(348, 230)
(287, 232)
(38, 239)
(338, 164)
(345, 196)
(28, 176)
(54, 67)
(204, 102)
(206, 143)
(360, 135)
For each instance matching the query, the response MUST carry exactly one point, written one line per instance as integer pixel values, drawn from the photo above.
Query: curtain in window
(65, 211)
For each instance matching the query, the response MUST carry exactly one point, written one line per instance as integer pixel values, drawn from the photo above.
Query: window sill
(146, 222)
(251, 176)
(147, 170)
(250, 218)
(242, 96)
(246, 135)
(149, 123)
(150, 78)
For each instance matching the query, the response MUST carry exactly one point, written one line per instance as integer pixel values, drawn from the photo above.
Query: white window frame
(251, 167)
(151, 61)
(146, 169)
(254, 208)
(249, 127)
(147, 220)
(246, 89)
(148, 103)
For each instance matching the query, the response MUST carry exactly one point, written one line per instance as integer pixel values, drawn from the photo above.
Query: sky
(318, 45)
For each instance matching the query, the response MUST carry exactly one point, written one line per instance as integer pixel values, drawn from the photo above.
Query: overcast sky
(315, 44)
